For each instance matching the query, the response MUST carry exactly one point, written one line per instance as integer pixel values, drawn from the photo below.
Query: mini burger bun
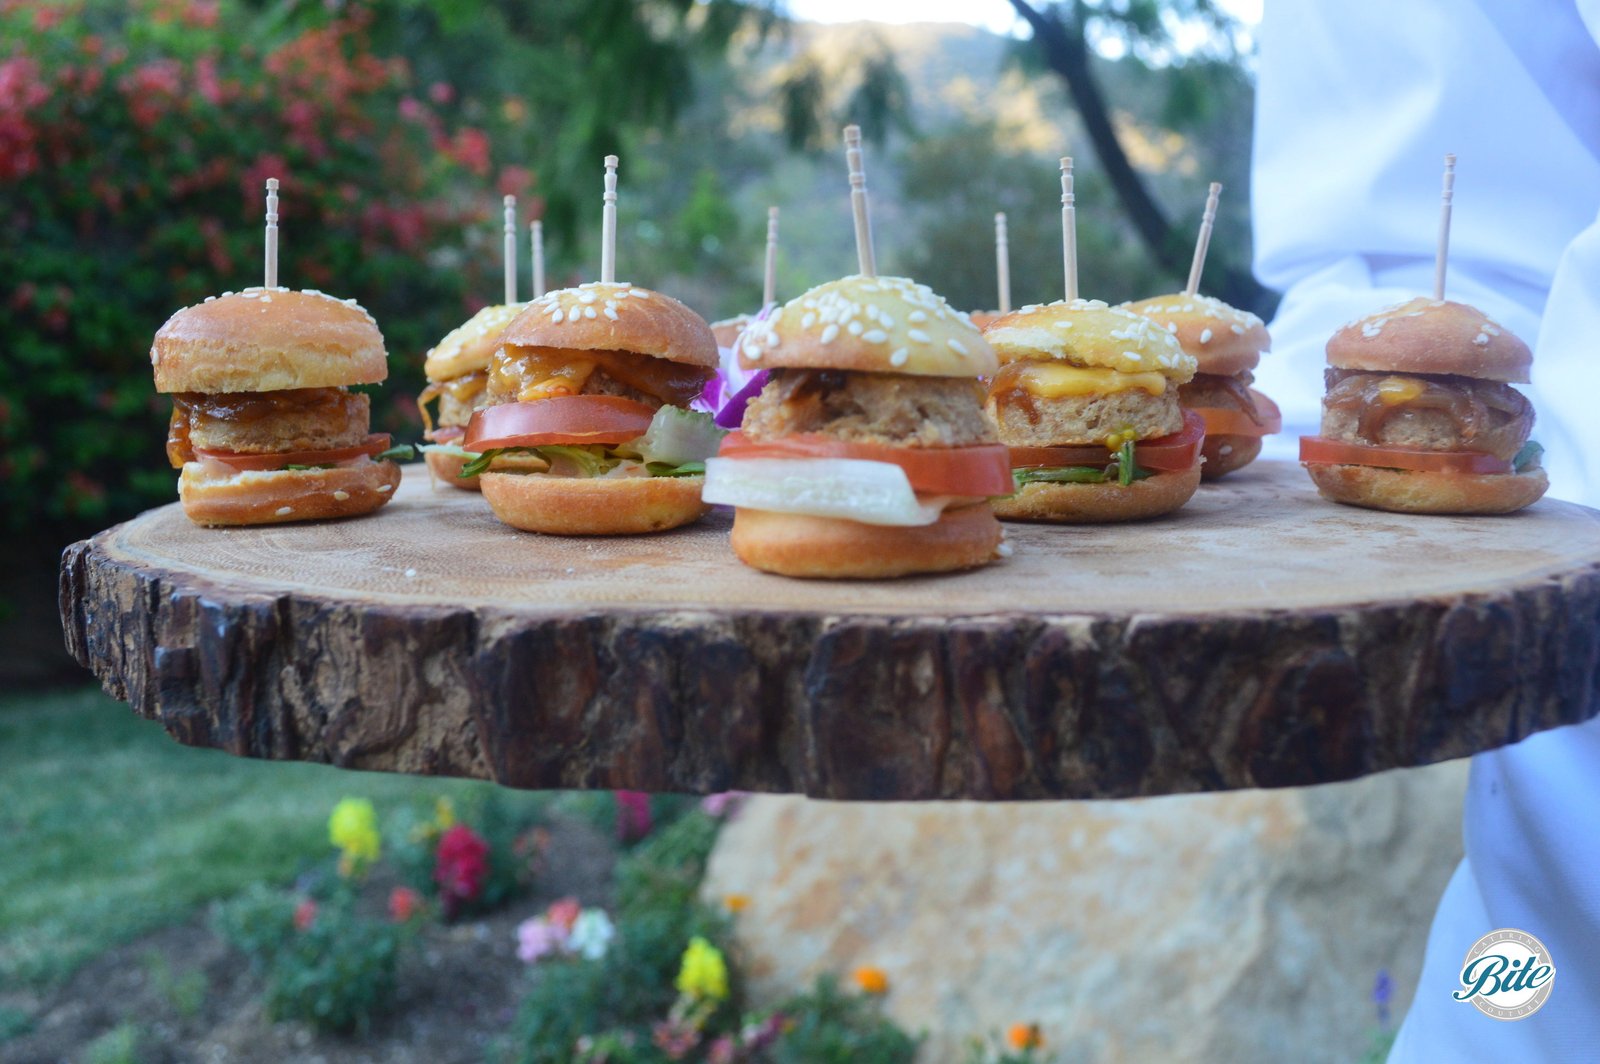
(589, 506)
(468, 347)
(1413, 492)
(1093, 504)
(1431, 336)
(1225, 454)
(447, 467)
(614, 317)
(833, 548)
(1223, 340)
(869, 325)
(267, 340)
(1090, 334)
(728, 329)
(273, 497)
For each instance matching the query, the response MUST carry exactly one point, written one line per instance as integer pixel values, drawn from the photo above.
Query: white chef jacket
(1357, 103)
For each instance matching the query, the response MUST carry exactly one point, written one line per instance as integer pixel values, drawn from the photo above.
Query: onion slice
(874, 493)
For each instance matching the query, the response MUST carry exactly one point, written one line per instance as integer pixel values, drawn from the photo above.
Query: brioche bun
(1088, 504)
(1431, 336)
(271, 497)
(447, 467)
(1225, 454)
(614, 317)
(268, 340)
(837, 549)
(1223, 340)
(1413, 492)
(589, 506)
(982, 319)
(468, 347)
(1088, 333)
(869, 325)
(728, 329)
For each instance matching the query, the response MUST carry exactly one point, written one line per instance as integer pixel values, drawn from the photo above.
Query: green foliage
(826, 1025)
(508, 822)
(185, 991)
(14, 1023)
(324, 964)
(120, 1045)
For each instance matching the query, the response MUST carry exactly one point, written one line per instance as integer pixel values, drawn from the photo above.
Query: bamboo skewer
(1069, 230)
(858, 202)
(1002, 261)
(272, 233)
(608, 226)
(1443, 254)
(769, 284)
(1202, 244)
(536, 238)
(509, 252)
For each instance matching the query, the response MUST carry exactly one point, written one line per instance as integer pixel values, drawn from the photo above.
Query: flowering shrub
(353, 828)
(468, 867)
(135, 138)
(1023, 1044)
(565, 930)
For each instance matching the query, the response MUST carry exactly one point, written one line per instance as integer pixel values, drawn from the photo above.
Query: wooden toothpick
(536, 230)
(858, 201)
(272, 232)
(1069, 230)
(769, 286)
(1203, 243)
(608, 226)
(1002, 261)
(1444, 226)
(510, 251)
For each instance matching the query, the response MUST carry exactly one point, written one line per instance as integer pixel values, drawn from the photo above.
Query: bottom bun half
(278, 496)
(1411, 492)
(1224, 454)
(839, 549)
(1091, 504)
(583, 506)
(447, 467)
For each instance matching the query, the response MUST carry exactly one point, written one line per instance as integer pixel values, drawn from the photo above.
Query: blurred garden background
(165, 904)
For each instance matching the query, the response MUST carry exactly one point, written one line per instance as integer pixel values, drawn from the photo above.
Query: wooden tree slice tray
(1259, 638)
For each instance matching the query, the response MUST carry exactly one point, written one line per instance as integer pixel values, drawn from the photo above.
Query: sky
(997, 16)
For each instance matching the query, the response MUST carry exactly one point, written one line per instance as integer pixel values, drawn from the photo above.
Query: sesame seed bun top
(871, 325)
(267, 340)
(602, 316)
(1431, 336)
(1224, 340)
(468, 347)
(1088, 333)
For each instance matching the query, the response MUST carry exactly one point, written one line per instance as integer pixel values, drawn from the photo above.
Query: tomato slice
(1172, 453)
(1227, 421)
(563, 419)
(977, 471)
(378, 441)
(1318, 450)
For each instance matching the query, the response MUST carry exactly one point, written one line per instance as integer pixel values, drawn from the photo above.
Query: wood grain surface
(1261, 637)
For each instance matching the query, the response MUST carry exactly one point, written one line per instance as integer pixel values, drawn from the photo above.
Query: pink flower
(461, 866)
(441, 93)
(725, 804)
(404, 903)
(633, 815)
(564, 914)
(305, 914)
(539, 938)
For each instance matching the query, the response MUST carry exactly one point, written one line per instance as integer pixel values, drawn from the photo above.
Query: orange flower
(872, 980)
(737, 903)
(1022, 1036)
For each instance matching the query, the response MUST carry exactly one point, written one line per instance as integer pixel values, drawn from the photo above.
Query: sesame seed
(385, 487)
(1172, 327)
(875, 336)
(919, 336)
(556, 317)
(284, 511)
(586, 297)
(341, 496)
(1063, 324)
(1482, 339)
(898, 356)
(957, 345)
(1205, 336)
(1238, 329)
(588, 312)
(808, 321)
(916, 315)
(854, 328)
(829, 333)
(611, 311)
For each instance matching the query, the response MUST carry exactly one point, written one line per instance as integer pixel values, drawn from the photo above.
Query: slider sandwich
(1087, 401)
(1227, 345)
(264, 427)
(1420, 416)
(458, 378)
(866, 454)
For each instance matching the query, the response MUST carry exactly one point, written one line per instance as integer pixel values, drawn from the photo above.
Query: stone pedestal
(1235, 927)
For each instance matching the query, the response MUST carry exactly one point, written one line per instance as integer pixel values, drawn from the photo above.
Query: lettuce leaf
(1528, 458)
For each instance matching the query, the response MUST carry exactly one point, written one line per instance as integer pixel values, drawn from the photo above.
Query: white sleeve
(1357, 103)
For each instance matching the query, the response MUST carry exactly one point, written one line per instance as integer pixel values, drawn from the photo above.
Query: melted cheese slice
(1055, 380)
(1392, 391)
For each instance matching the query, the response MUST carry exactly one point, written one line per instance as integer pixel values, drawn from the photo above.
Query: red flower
(461, 865)
(564, 913)
(404, 903)
(633, 815)
(305, 914)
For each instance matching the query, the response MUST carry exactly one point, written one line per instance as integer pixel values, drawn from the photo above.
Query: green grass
(111, 829)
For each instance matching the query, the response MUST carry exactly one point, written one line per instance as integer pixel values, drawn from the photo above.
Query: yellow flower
(1023, 1036)
(737, 903)
(444, 814)
(872, 980)
(353, 827)
(704, 974)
